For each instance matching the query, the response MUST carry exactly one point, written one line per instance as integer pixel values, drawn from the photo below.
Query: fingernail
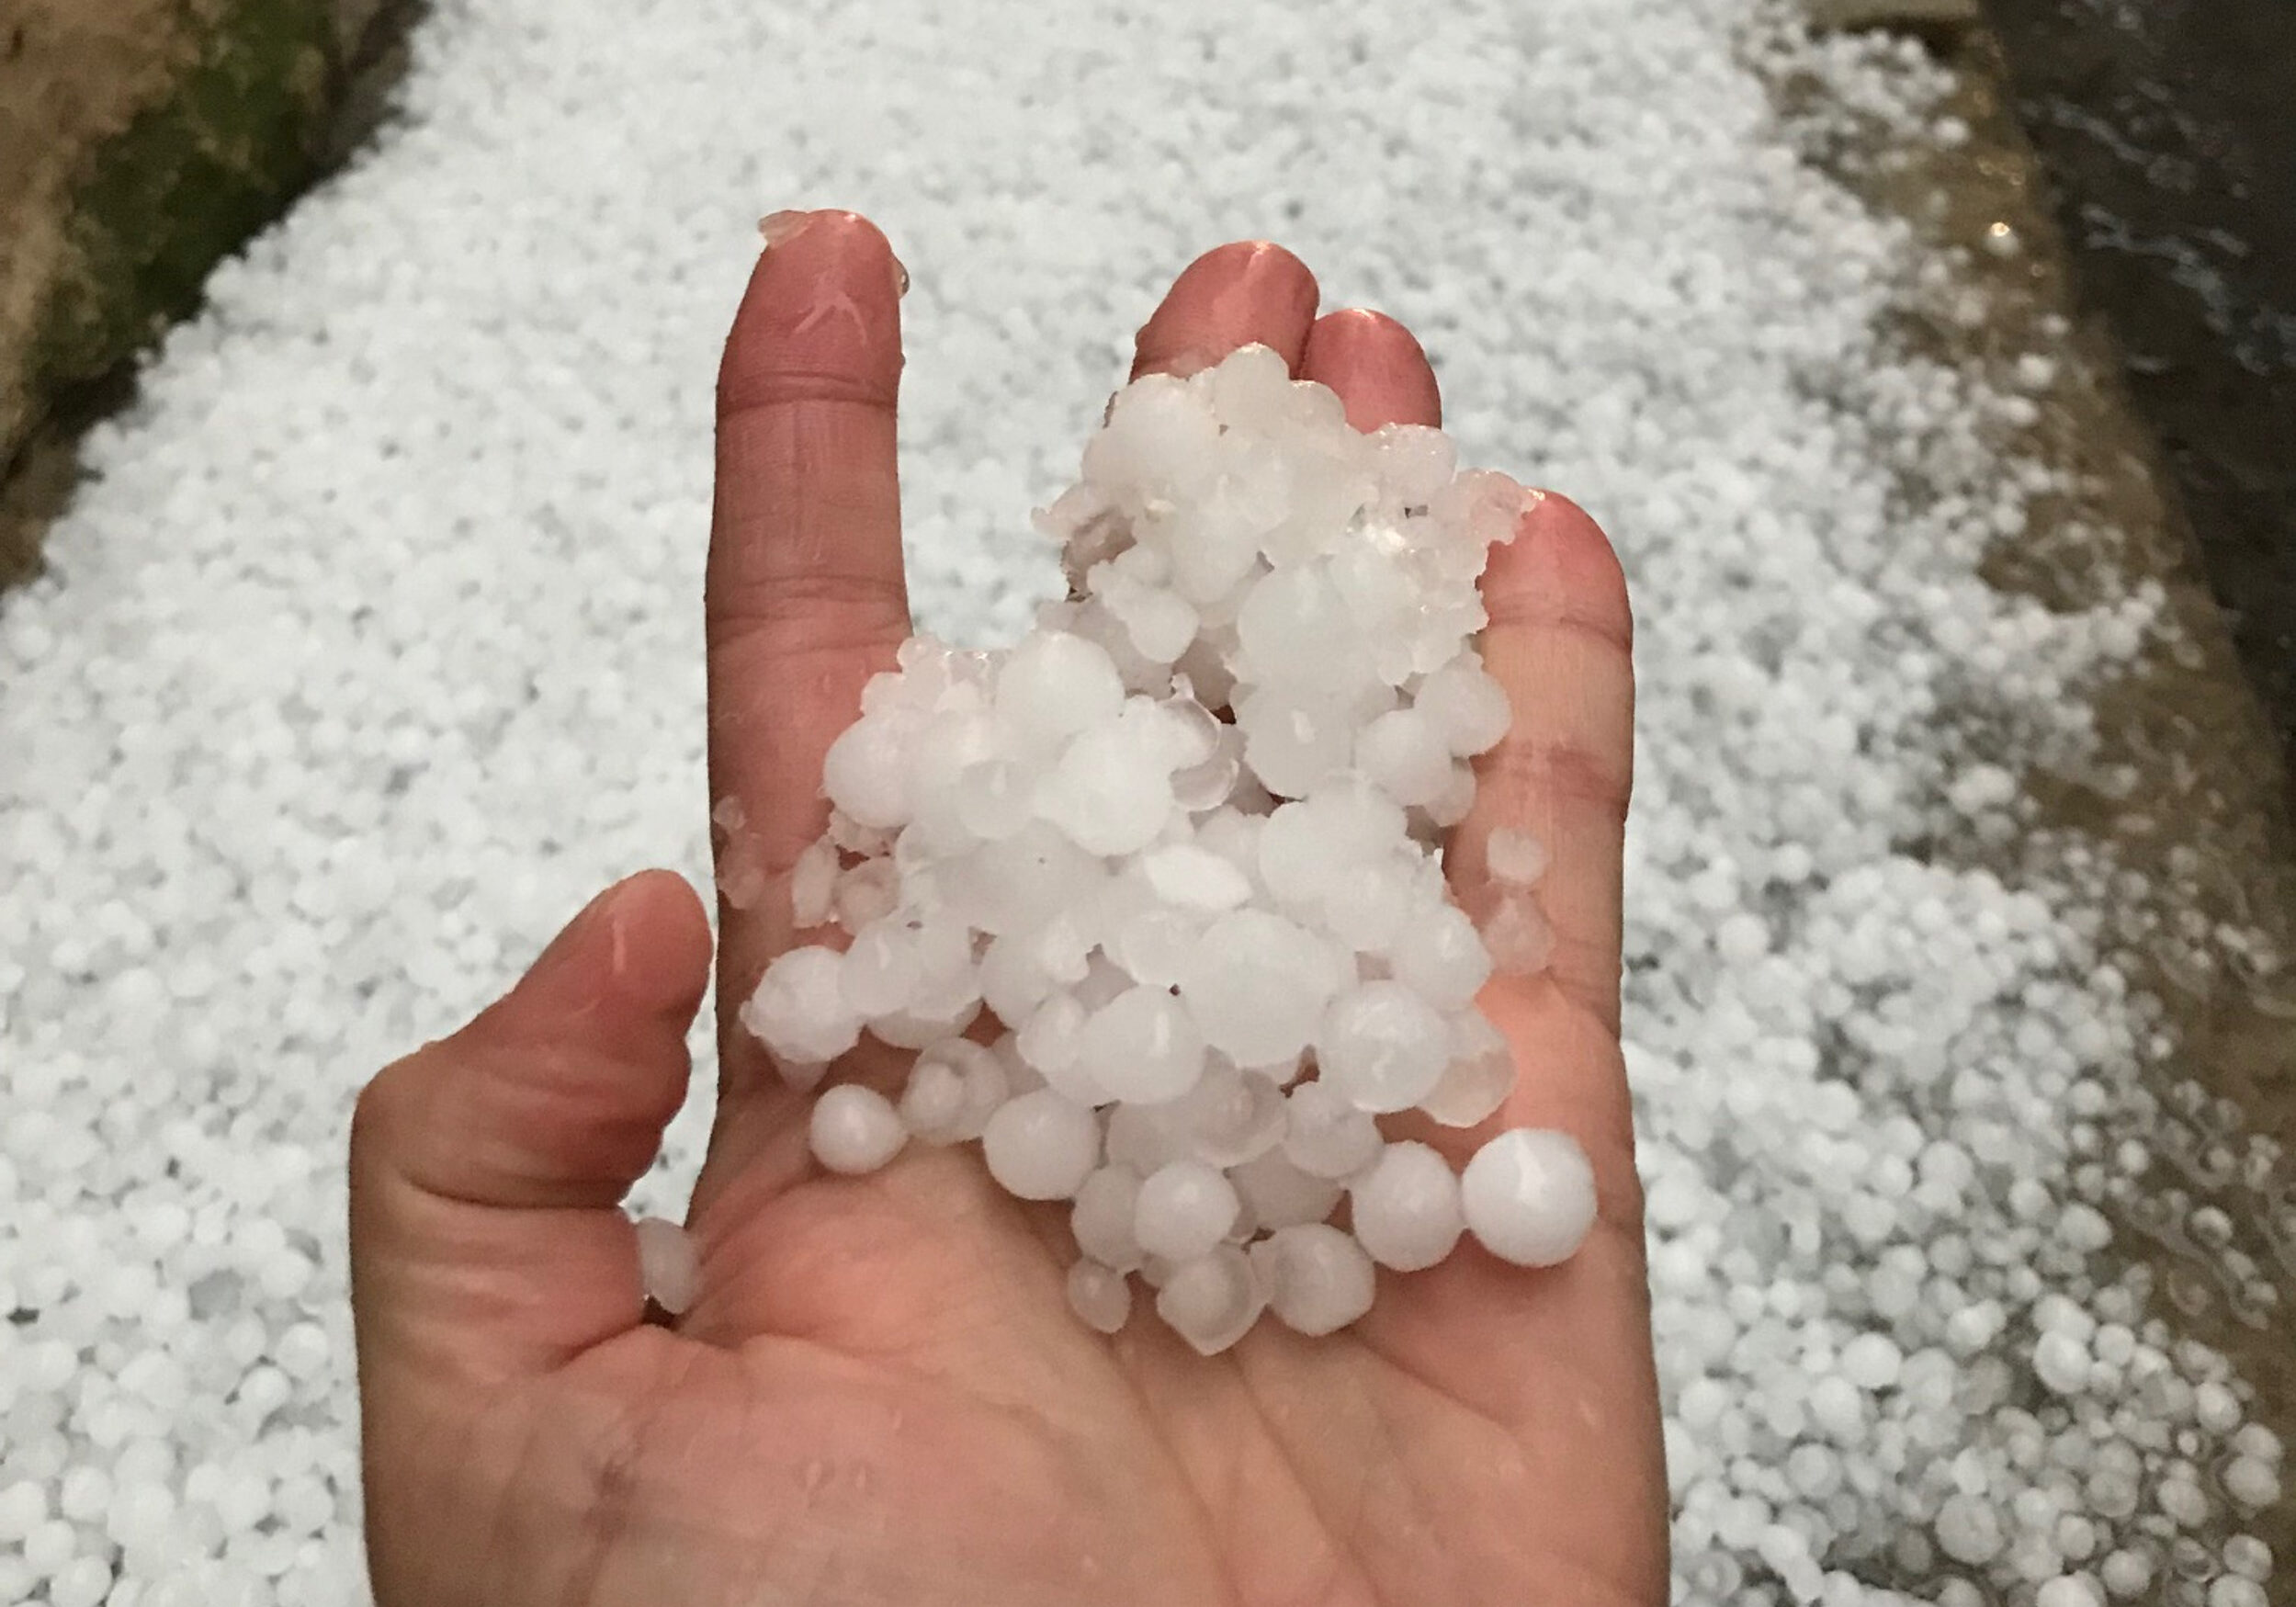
(779, 228)
(577, 936)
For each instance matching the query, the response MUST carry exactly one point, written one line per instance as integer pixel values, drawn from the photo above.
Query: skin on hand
(880, 1395)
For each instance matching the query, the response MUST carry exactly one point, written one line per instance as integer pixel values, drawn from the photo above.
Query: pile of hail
(1157, 895)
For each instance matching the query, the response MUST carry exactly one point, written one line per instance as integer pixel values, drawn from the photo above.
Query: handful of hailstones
(1181, 843)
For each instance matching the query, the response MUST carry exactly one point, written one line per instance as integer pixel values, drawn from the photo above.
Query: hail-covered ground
(374, 651)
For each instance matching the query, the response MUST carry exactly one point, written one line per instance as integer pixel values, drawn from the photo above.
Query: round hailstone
(1279, 1194)
(1231, 1116)
(1101, 1296)
(1529, 1196)
(1212, 1301)
(1403, 752)
(1190, 877)
(1142, 1046)
(1383, 1046)
(1110, 792)
(799, 1009)
(1441, 956)
(1182, 1210)
(1326, 1134)
(865, 772)
(1475, 1086)
(1406, 1207)
(667, 1264)
(1041, 1146)
(1466, 705)
(856, 1130)
(1257, 985)
(1293, 742)
(1318, 1279)
(953, 1090)
(1101, 1218)
(1517, 934)
(882, 973)
(1052, 686)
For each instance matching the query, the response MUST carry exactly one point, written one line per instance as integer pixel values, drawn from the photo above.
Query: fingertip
(1561, 567)
(1376, 365)
(823, 304)
(1233, 295)
(661, 943)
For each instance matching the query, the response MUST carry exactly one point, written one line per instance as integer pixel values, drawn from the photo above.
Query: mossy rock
(146, 141)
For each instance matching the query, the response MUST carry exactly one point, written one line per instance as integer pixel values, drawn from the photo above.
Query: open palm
(880, 1395)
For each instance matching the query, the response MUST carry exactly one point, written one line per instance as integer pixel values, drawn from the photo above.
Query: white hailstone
(2069, 1590)
(1464, 705)
(882, 973)
(953, 1090)
(1516, 859)
(668, 1265)
(1101, 1297)
(1041, 1146)
(1294, 741)
(1194, 878)
(1481, 1076)
(1440, 955)
(1142, 1046)
(1318, 1279)
(856, 1130)
(1326, 1134)
(2232, 1591)
(1383, 1046)
(1232, 1116)
(1407, 1209)
(799, 1009)
(1403, 752)
(865, 772)
(1212, 1301)
(1101, 1218)
(1969, 1531)
(2126, 1573)
(1872, 1361)
(1518, 936)
(1257, 985)
(1053, 686)
(812, 884)
(1528, 1196)
(2252, 1483)
(1279, 1193)
(1182, 1210)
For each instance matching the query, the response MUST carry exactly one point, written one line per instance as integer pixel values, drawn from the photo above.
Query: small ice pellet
(2252, 1483)
(1406, 1207)
(1326, 1134)
(668, 1265)
(1383, 1047)
(2069, 1590)
(1318, 1279)
(1041, 1146)
(800, 1010)
(1101, 1218)
(1100, 1295)
(856, 1130)
(1182, 1210)
(1516, 859)
(953, 1090)
(1475, 1085)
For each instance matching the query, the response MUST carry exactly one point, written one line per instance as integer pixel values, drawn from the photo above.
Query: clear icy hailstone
(1517, 934)
(865, 772)
(1302, 844)
(1182, 1210)
(1452, 805)
(1516, 859)
(1100, 1295)
(1154, 945)
(1529, 1196)
(1213, 1301)
(865, 892)
(1257, 986)
(1440, 955)
(1142, 1046)
(1327, 1134)
(1050, 1039)
(995, 799)
(1101, 1218)
(812, 881)
(1318, 1279)
(1232, 1116)
(1406, 1207)
(953, 1088)
(667, 1264)
(1144, 1136)
(1053, 686)
(856, 1130)
(1383, 1047)
(1279, 1194)
(1041, 1147)
(800, 1010)
(1475, 1086)
(1466, 705)
(1404, 754)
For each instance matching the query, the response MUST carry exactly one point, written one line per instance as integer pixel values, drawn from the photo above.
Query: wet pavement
(2167, 133)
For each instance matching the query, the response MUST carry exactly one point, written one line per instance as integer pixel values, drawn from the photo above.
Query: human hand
(880, 1395)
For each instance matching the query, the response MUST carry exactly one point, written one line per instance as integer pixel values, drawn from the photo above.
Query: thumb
(487, 1168)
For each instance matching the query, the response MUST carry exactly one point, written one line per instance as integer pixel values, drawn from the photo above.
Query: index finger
(805, 595)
